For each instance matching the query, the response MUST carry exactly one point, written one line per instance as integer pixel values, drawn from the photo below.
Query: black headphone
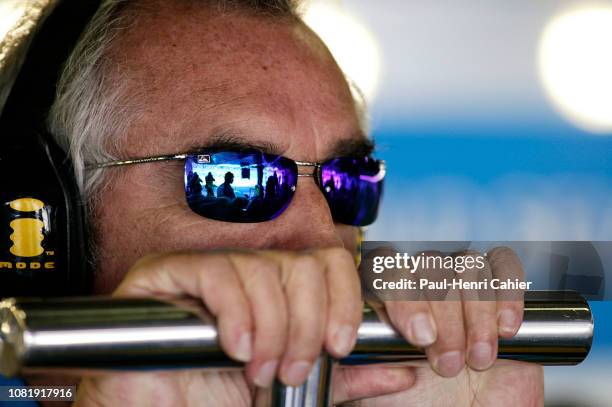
(43, 229)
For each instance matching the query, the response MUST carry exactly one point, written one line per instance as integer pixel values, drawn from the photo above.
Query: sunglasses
(251, 186)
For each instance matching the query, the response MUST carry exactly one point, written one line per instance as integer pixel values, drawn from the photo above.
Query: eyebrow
(232, 141)
(354, 146)
(359, 144)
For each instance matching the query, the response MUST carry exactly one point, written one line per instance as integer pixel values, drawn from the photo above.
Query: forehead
(195, 73)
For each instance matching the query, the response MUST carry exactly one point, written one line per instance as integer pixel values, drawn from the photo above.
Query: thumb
(353, 383)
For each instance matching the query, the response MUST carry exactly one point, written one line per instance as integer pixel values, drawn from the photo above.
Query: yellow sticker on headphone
(27, 204)
(27, 237)
(27, 233)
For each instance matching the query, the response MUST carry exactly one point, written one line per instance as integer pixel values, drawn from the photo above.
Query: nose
(307, 222)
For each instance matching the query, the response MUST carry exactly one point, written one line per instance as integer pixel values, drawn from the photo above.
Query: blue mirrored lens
(239, 186)
(353, 187)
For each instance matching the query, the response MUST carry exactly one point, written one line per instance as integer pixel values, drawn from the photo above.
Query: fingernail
(266, 373)
(422, 330)
(344, 340)
(481, 355)
(297, 373)
(507, 322)
(243, 349)
(450, 363)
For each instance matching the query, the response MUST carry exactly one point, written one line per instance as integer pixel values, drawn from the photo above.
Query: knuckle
(339, 253)
(214, 262)
(450, 335)
(307, 262)
(212, 270)
(502, 254)
(147, 261)
(262, 267)
(274, 331)
(483, 332)
(270, 349)
(307, 342)
(450, 338)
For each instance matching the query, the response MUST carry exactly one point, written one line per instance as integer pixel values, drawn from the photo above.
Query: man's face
(198, 78)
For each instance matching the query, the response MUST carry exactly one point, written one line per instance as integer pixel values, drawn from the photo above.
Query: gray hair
(89, 112)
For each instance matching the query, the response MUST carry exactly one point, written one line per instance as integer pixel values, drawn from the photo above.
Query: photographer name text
(451, 284)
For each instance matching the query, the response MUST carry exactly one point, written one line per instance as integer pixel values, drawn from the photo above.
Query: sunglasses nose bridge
(307, 169)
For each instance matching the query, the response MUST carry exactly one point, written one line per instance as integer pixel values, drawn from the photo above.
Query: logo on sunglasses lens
(204, 158)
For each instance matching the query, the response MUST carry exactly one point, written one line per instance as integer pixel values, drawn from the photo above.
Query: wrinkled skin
(268, 83)
(505, 384)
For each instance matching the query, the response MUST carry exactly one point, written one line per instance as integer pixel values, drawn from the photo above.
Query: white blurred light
(575, 64)
(353, 46)
(10, 12)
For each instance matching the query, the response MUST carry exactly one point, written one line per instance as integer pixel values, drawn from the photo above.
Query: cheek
(126, 214)
(182, 229)
(130, 222)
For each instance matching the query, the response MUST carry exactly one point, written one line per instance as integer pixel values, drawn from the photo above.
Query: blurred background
(495, 119)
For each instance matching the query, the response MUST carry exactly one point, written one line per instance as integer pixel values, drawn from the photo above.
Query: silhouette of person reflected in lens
(210, 184)
(271, 185)
(225, 190)
(194, 183)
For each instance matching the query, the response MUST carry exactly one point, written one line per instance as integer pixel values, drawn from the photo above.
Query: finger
(505, 265)
(447, 354)
(479, 309)
(414, 320)
(211, 278)
(408, 311)
(481, 333)
(260, 278)
(345, 306)
(307, 301)
(222, 293)
(353, 383)
(372, 262)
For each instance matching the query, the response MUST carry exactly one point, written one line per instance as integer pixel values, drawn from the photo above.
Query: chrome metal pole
(557, 329)
(88, 335)
(316, 391)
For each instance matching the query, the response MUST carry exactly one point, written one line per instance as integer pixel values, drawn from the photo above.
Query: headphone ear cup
(43, 249)
(74, 255)
(43, 245)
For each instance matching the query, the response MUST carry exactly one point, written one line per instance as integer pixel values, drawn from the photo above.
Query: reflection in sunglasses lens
(353, 187)
(239, 187)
